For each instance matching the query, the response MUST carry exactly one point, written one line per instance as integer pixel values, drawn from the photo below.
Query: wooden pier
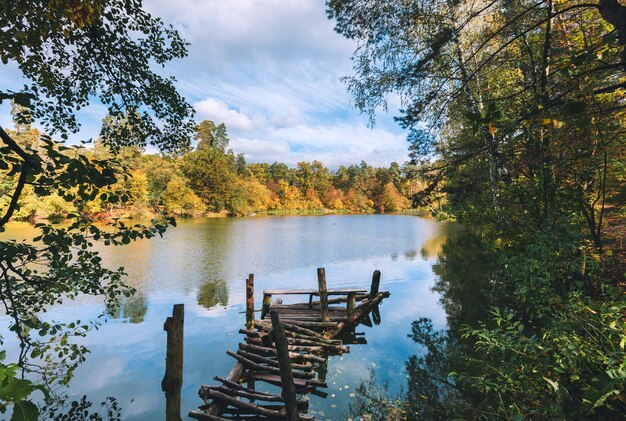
(288, 346)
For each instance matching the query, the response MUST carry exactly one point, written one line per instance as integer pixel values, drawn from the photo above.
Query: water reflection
(203, 264)
(213, 293)
(465, 270)
(130, 310)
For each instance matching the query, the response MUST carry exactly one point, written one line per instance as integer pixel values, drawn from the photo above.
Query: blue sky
(270, 71)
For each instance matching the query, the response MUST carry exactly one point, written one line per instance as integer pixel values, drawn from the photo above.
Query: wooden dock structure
(288, 346)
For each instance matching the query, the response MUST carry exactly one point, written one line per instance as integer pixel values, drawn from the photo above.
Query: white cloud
(219, 112)
(290, 117)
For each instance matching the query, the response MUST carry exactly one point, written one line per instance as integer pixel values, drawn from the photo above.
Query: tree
(68, 54)
(515, 111)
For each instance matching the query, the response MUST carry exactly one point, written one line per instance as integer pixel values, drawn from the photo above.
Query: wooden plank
(173, 379)
(305, 307)
(309, 324)
(331, 291)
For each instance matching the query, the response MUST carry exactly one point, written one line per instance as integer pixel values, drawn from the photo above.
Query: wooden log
(303, 308)
(321, 281)
(315, 339)
(238, 386)
(265, 360)
(294, 318)
(252, 334)
(331, 291)
(267, 303)
(351, 303)
(240, 393)
(203, 416)
(257, 366)
(375, 284)
(272, 352)
(286, 373)
(252, 407)
(241, 414)
(376, 315)
(250, 302)
(304, 348)
(361, 312)
(236, 373)
(173, 379)
(262, 324)
(275, 379)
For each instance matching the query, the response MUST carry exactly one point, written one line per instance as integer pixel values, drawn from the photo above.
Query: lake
(203, 263)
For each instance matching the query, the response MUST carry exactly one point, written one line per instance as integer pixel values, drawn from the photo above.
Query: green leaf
(25, 411)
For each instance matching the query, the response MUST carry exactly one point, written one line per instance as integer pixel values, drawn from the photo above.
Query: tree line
(212, 179)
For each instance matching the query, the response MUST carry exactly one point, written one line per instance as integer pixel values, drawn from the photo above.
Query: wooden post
(267, 302)
(284, 363)
(250, 303)
(351, 303)
(173, 379)
(375, 284)
(321, 280)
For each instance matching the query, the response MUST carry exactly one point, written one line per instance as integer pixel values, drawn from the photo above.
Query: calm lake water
(204, 263)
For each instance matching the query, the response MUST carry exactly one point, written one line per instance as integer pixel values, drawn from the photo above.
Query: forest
(212, 180)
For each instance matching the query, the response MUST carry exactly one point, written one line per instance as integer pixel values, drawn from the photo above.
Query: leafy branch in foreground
(70, 54)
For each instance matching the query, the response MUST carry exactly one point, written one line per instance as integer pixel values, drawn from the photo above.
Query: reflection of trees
(132, 309)
(213, 293)
(465, 272)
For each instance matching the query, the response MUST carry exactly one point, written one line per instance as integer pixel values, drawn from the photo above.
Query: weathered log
(321, 281)
(267, 302)
(261, 359)
(360, 312)
(272, 352)
(252, 407)
(275, 379)
(351, 303)
(289, 327)
(306, 324)
(241, 393)
(257, 366)
(375, 284)
(331, 291)
(173, 379)
(203, 416)
(286, 373)
(234, 385)
(250, 302)
(235, 374)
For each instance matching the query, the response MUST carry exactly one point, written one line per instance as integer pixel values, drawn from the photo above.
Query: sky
(270, 70)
